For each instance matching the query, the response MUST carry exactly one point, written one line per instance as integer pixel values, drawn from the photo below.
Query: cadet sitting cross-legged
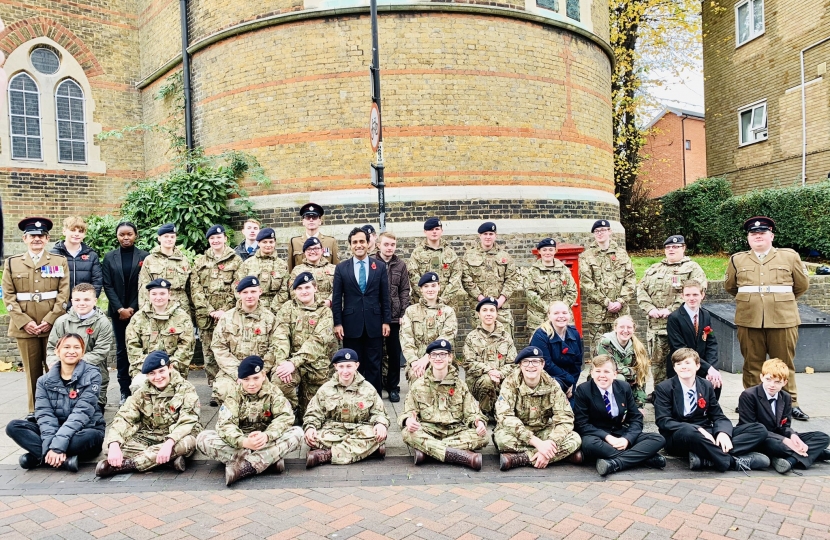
(535, 422)
(345, 421)
(158, 424)
(441, 417)
(254, 428)
(423, 323)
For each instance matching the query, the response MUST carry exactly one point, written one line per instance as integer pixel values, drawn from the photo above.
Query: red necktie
(695, 321)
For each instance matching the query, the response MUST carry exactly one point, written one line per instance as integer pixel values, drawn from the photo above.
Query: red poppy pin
(565, 350)
(360, 404)
(73, 394)
(446, 266)
(564, 282)
(84, 257)
(374, 266)
(503, 260)
(701, 403)
(257, 331)
(273, 274)
(172, 330)
(140, 263)
(452, 391)
(267, 414)
(89, 331)
(312, 322)
(500, 356)
(706, 331)
(221, 267)
(172, 409)
(783, 421)
(613, 257)
(439, 312)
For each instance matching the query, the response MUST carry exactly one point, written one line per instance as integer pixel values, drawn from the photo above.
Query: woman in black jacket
(69, 422)
(84, 265)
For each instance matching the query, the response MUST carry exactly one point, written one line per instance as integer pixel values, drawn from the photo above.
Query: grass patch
(713, 265)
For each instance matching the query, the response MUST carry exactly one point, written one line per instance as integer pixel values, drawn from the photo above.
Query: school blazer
(754, 407)
(681, 333)
(668, 408)
(591, 418)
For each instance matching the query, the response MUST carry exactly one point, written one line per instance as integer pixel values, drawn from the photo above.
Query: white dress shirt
(615, 410)
(687, 409)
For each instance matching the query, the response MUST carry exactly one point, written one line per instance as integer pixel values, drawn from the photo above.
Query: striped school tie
(607, 403)
(692, 402)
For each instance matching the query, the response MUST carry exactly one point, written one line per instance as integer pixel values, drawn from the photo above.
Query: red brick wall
(663, 167)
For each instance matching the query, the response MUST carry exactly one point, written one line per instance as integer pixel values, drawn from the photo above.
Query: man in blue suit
(360, 306)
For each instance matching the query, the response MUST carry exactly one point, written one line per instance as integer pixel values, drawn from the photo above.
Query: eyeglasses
(535, 362)
(441, 354)
(316, 248)
(597, 231)
(675, 246)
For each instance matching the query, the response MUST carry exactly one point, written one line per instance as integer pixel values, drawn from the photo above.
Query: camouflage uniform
(323, 273)
(272, 273)
(662, 287)
(484, 351)
(543, 412)
(447, 412)
(626, 361)
(444, 262)
(605, 276)
(545, 285)
(345, 418)
(421, 325)
(304, 337)
(241, 414)
(237, 336)
(170, 331)
(491, 273)
(173, 268)
(151, 416)
(211, 286)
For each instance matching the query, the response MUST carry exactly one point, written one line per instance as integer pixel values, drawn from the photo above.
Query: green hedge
(693, 212)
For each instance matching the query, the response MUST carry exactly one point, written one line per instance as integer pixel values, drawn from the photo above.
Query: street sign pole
(375, 127)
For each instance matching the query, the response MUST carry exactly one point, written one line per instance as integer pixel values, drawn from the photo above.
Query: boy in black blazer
(610, 424)
(688, 415)
(772, 407)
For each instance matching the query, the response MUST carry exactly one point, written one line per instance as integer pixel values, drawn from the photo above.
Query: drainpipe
(683, 118)
(804, 114)
(188, 112)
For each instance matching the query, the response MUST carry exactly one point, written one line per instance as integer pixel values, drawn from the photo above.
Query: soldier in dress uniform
(435, 255)
(271, 271)
(167, 262)
(312, 215)
(320, 268)
(36, 292)
(765, 282)
(547, 281)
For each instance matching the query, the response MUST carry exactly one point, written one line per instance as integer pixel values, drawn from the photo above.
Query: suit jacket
(754, 407)
(591, 418)
(766, 310)
(120, 294)
(681, 333)
(668, 408)
(356, 310)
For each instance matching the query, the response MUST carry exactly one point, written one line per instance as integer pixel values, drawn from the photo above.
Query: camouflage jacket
(239, 334)
(445, 404)
(211, 285)
(525, 411)
(335, 405)
(623, 357)
(174, 268)
(304, 337)
(485, 350)
(170, 331)
(272, 273)
(171, 413)
(443, 261)
(242, 413)
(323, 273)
(489, 273)
(605, 277)
(421, 325)
(96, 331)
(544, 285)
(662, 287)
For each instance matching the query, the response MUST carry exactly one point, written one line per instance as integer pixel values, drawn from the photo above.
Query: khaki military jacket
(305, 337)
(211, 285)
(662, 287)
(171, 413)
(605, 277)
(485, 350)
(489, 273)
(171, 331)
(338, 406)
(242, 413)
(544, 285)
(239, 335)
(175, 269)
(272, 273)
(323, 273)
(524, 410)
(443, 261)
(295, 250)
(446, 404)
(96, 331)
(781, 267)
(421, 325)
(23, 276)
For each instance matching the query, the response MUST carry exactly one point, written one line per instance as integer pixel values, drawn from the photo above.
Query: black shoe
(394, 396)
(213, 402)
(650, 398)
(695, 463)
(31, 418)
(825, 455)
(28, 461)
(70, 464)
(782, 465)
(737, 410)
(656, 462)
(798, 414)
(608, 466)
(749, 462)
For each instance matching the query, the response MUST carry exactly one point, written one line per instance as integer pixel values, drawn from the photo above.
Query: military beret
(344, 355)
(759, 224)
(167, 228)
(439, 345)
(674, 240)
(312, 210)
(546, 242)
(249, 366)
(158, 284)
(368, 229)
(35, 225)
(303, 277)
(216, 229)
(311, 242)
(429, 277)
(487, 226)
(247, 281)
(155, 360)
(487, 301)
(265, 234)
(432, 223)
(529, 352)
(600, 223)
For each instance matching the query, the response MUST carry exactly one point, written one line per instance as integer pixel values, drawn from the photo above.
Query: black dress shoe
(28, 461)
(650, 398)
(31, 418)
(798, 414)
(825, 455)
(394, 396)
(213, 402)
(70, 464)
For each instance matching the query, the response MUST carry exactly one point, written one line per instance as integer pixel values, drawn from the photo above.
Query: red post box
(569, 254)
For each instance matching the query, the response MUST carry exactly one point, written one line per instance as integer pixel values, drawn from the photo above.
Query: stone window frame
(752, 108)
(753, 33)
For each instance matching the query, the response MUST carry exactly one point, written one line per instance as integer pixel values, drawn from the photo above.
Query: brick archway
(20, 32)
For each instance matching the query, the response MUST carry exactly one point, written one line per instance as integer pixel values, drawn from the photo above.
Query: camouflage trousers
(507, 441)
(303, 386)
(434, 440)
(658, 350)
(486, 392)
(214, 447)
(592, 333)
(348, 442)
(211, 367)
(144, 449)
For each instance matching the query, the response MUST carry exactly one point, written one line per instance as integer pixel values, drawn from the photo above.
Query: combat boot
(380, 453)
(104, 469)
(511, 460)
(420, 457)
(576, 458)
(276, 468)
(237, 470)
(178, 464)
(463, 457)
(317, 457)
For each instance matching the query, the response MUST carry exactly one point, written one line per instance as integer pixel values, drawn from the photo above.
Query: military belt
(37, 297)
(766, 288)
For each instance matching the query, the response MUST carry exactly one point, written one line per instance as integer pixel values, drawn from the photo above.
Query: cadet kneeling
(535, 421)
(158, 424)
(441, 417)
(254, 428)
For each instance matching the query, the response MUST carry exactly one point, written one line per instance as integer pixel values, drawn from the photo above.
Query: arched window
(24, 113)
(69, 103)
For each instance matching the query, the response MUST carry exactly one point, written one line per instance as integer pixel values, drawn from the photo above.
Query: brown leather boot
(511, 460)
(576, 458)
(237, 470)
(317, 457)
(463, 457)
(104, 469)
(276, 468)
(178, 464)
(420, 457)
(380, 453)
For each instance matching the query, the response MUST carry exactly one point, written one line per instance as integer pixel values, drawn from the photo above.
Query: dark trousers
(816, 442)
(645, 447)
(393, 358)
(122, 362)
(745, 439)
(86, 443)
(369, 353)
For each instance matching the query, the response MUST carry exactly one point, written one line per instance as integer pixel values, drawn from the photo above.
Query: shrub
(100, 233)
(693, 212)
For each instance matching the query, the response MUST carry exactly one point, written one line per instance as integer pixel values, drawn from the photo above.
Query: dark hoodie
(85, 268)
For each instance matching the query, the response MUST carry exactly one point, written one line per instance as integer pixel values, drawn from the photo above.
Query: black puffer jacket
(60, 416)
(85, 268)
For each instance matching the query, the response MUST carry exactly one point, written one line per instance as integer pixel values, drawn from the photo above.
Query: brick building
(675, 150)
(752, 51)
(500, 110)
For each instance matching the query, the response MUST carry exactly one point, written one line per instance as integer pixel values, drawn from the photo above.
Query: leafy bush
(100, 233)
(693, 212)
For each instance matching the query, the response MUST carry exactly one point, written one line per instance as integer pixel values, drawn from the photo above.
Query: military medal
(326, 252)
(675, 282)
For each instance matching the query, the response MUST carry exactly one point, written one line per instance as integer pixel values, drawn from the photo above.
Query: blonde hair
(547, 326)
(776, 369)
(689, 283)
(601, 359)
(641, 358)
(387, 234)
(74, 222)
(252, 220)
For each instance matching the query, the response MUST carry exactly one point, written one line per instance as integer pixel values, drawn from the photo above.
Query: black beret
(35, 225)
(487, 226)
(249, 366)
(247, 281)
(265, 234)
(166, 229)
(600, 223)
(674, 240)
(313, 209)
(759, 224)
(303, 277)
(487, 300)
(439, 345)
(546, 242)
(216, 229)
(155, 360)
(432, 223)
(429, 277)
(368, 229)
(158, 283)
(529, 352)
(344, 355)
(311, 242)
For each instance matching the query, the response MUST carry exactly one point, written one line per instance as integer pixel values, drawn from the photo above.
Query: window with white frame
(24, 115)
(69, 113)
(749, 20)
(753, 123)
